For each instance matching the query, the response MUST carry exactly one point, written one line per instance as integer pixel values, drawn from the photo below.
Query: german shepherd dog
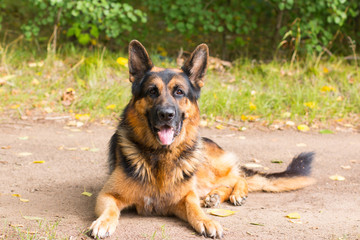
(160, 165)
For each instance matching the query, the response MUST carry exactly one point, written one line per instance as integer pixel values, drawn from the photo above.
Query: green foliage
(86, 20)
(258, 29)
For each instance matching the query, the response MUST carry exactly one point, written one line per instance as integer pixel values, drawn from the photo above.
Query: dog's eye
(179, 92)
(153, 92)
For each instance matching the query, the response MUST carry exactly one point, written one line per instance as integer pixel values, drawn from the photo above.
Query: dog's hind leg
(234, 188)
(240, 192)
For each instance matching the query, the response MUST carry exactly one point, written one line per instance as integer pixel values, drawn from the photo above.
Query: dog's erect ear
(195, 67)
(139, 61)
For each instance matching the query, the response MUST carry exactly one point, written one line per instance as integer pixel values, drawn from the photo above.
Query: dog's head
(163, 109)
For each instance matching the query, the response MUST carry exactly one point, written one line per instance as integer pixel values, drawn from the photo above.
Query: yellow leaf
(243, 118)
(122, 61)
(93, 42)
(327, 89)
(39, 162)
(24, 200)
(215, 96)
(5, 147)
(16, 195)
(85, 148)
(310, 104)
(219, 126)
(16, 106)
(337, 177)
(70, 90)
(293, 215)
(325, 70)
(252, 106)
(221, 212)
(303, 128)
(345, 167)
(111, 106)
(86, 194)
(82, 117)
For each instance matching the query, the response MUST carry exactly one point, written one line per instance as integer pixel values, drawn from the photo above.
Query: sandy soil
(329, 210)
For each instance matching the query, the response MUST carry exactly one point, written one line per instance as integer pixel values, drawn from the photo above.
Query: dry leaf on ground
(220, 212)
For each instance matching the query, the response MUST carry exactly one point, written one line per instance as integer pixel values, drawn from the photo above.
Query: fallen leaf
(36, 64)
(16, 106)
(346, 167)
(38, 161)
(86, 194)
(325, 70)
(24, 154)
(220, 212)
(16, 225)
(253, 165)
(293, 215)
(219, 126)
(122, 61)
(85, 148)
(24, 138)
(337, 177)
(277, 161)
(295, 221)
(327, 89)
(5, 147)
(326, 131)
(257, 224)
(70, 149)
(82, 117)
(111, 106)
(290, 123)
(24, 200)
(310, 105)
(252, 106)
(303, 128)
(15, 195)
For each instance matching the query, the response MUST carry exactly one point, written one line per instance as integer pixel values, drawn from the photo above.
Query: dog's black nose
(166, 114)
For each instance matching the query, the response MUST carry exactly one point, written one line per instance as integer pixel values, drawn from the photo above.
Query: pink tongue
(166, 135)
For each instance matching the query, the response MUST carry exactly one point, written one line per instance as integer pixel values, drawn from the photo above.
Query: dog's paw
(103, 227)
(212, 200)
(209, 228)
(237, 200)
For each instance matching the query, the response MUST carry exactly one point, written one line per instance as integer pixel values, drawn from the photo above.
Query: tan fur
(260, 183)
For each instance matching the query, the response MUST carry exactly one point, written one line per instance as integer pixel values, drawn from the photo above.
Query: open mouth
(166, 134)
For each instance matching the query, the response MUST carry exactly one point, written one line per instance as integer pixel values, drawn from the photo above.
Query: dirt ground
(75, 160)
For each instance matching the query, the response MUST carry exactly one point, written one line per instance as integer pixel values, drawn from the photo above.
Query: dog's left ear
(195, 67)
(139, 61)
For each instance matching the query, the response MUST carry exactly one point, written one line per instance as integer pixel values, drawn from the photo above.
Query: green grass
(43, 230)
(304, 92)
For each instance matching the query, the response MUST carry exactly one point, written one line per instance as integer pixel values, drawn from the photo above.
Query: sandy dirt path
(329, 210)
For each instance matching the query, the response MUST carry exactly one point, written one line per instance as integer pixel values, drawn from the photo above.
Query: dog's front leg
(107, 209)
(189, 210)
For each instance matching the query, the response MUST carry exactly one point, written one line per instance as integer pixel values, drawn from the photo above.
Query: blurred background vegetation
(287, 61)
(259, 29)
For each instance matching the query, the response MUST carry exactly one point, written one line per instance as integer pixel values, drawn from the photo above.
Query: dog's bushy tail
(296, 176)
